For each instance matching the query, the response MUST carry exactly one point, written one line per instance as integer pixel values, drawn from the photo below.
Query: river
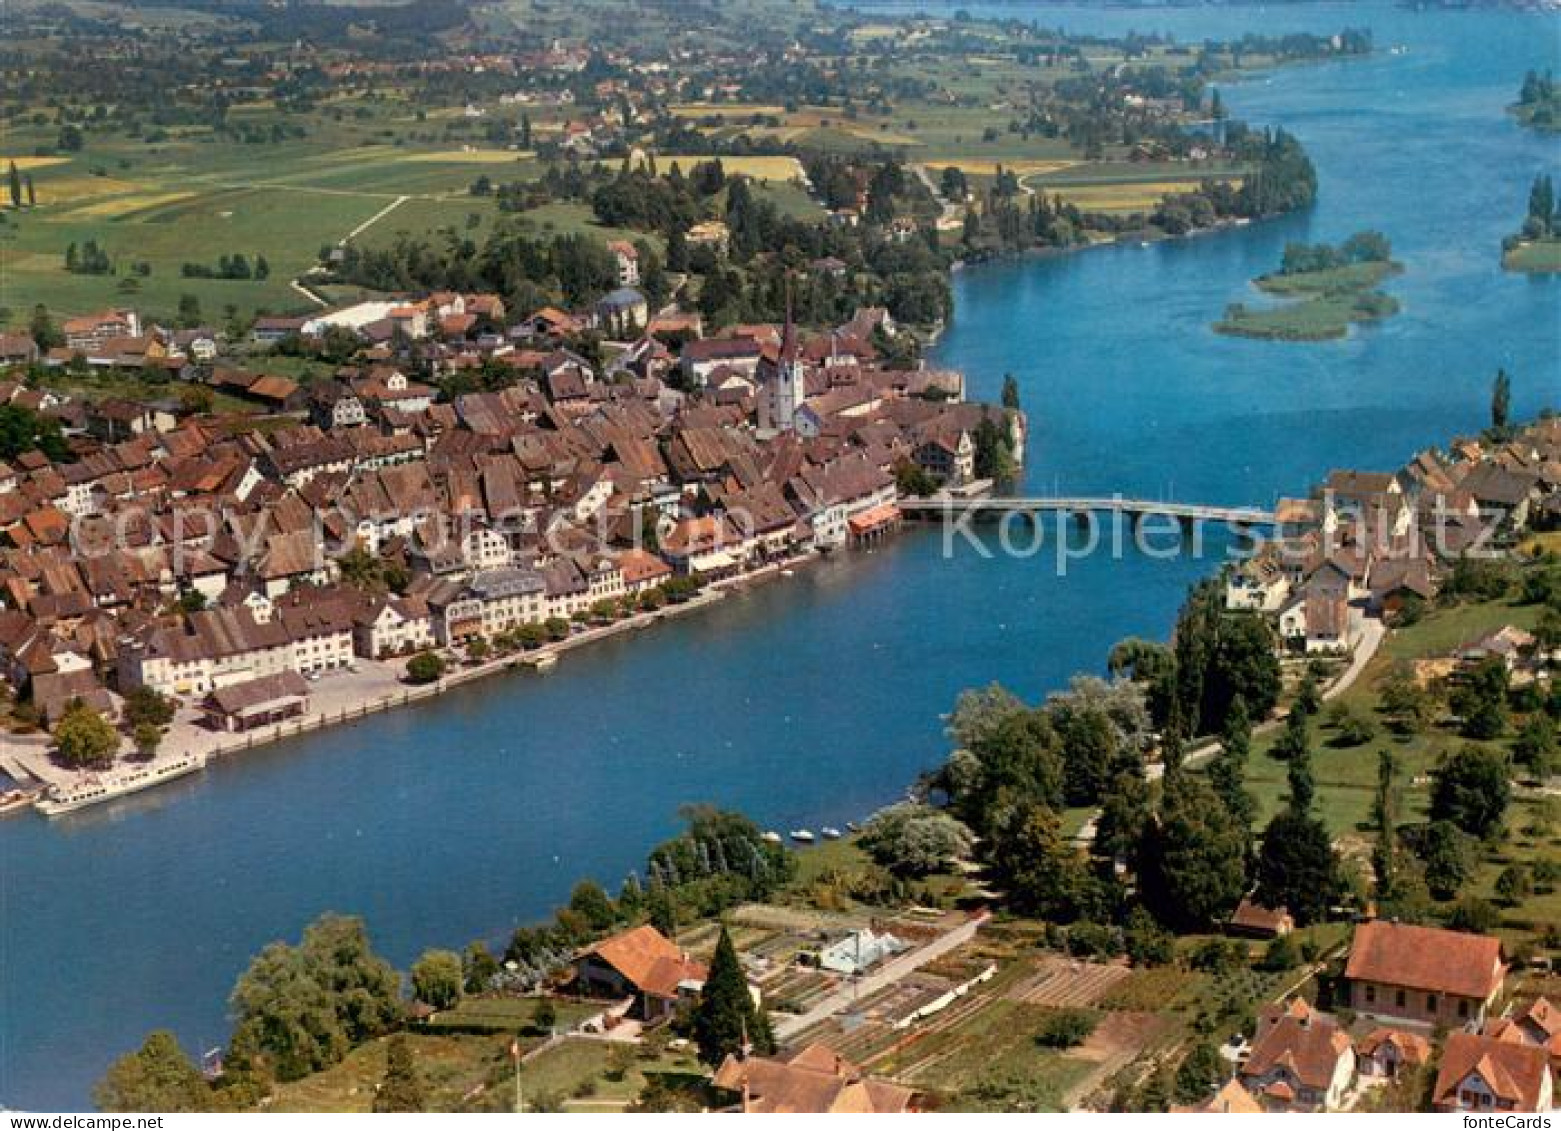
(814, 699)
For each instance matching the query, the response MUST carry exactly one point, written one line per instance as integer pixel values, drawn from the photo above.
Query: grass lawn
(1346, 777)
(509, 1014)
(1537, 257)
(450, 1066)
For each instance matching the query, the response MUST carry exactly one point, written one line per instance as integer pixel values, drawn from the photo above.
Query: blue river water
(817, 698)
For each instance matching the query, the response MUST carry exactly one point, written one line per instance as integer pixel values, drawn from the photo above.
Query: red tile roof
(1515, 1073)
(650, 961)
(1426, 958)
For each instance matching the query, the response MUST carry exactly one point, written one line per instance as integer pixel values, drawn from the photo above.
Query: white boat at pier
(94, 789)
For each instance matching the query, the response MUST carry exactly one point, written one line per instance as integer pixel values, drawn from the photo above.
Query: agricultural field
(190, 198)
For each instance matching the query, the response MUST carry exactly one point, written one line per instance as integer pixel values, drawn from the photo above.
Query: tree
(45, 334)
(593, 904)
(1066, 1028)
(156, 1077)
(725, 1017)
(915, 840)
(402, 1089)
(425, 667)
(1515, 884)
(147, 737)
(298, 1009)
(1199, 1073)
(1192, 861)
(1227, 771)
(146, 705)
(478, 966)
(1404, 701)
(189, 311)
(1501, 401)
(1480, 699)
(84, 739)
(16, 186)
(1384, 854)
(1449, 858)
(1041, 871)
(1471, 788)
(23, 430)
(1221, 654)
(1535, 746)
(1010, 391)
(545, 1016)
(1297, 868)
(437, 978)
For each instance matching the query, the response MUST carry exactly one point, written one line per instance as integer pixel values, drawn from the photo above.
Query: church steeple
(785, 384)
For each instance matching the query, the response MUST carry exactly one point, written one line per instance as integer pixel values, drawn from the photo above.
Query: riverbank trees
(298, 1009)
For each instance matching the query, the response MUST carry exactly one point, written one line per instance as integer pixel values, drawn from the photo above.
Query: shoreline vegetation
(1539, 103)
(1536, 248)
(1326, 290)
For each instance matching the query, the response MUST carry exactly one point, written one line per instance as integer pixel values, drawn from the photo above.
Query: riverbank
(370, 687)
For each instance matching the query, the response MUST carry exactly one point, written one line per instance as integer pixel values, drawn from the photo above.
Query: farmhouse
(1423, 974)
(642, 963)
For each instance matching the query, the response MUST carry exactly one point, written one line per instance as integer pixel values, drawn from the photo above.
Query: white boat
(829, 832)
(14, 801)
(802, 836)
(772, 836)
(98, 788)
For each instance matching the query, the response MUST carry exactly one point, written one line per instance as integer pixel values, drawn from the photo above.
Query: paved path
(374, 219)
(892, 972)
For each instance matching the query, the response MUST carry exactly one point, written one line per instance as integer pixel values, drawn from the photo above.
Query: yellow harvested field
(759, 168)
(69, 190)
(1119, 198)
(472, 156)
(123, 205)
(727, 109)
(875, 133)
(27, 163)
(30, 261)
(985, 167)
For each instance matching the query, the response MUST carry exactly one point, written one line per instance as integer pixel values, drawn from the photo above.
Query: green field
(191, 197)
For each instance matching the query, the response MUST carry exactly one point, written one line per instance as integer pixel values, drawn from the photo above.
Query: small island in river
(1536, 247)
(1328, 287)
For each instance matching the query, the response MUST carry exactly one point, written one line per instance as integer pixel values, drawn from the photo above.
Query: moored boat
(14, 801)
(771, 836)
(802, 836)
(98, 788)
(829, 832)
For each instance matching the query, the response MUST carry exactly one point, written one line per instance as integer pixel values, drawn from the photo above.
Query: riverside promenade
(368, 687)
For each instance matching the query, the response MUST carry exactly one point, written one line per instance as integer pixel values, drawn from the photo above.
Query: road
(891, 972)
